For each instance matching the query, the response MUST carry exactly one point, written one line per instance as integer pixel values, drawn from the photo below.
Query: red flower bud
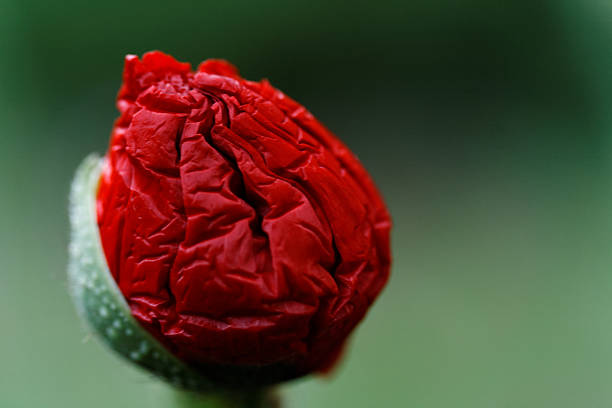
(243, 235)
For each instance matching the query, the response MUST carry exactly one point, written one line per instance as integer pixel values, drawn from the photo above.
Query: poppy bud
(243, 237)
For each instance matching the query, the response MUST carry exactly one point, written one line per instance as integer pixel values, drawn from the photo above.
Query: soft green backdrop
(486, 124)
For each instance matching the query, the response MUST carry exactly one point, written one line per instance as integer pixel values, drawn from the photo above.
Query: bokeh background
(486, 124)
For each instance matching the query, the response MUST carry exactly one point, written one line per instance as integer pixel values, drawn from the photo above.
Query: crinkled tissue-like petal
(240, 231)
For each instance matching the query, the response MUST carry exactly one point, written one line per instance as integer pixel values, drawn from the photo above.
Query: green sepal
(99, 301)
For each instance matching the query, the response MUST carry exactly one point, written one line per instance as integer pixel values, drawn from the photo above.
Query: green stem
(227, 399)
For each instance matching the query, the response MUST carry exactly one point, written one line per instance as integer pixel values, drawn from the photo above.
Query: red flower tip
(219, 67)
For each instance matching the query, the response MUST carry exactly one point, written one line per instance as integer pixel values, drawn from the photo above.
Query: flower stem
(228, 399)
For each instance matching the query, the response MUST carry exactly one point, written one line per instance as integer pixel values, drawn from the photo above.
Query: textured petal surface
(238, 228)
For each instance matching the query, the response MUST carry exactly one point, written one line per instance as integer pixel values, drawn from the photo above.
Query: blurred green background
(486, 125)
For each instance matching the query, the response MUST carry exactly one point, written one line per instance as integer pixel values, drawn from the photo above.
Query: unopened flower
(237, 231)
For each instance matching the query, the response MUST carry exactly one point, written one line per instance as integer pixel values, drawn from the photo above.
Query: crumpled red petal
(238, 228)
